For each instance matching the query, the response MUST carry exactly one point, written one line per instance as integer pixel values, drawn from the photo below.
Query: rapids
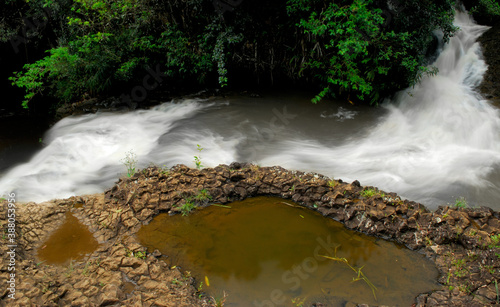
(432, 143)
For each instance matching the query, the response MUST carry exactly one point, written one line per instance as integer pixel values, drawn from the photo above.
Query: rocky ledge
(462, 242)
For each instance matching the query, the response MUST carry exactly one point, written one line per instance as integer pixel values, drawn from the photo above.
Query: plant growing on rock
(461, 203)
(219, 301)
(495, 240)
(367, 193)
(187, 207)
(140, 255)
(165, 170)
(203, 197)
(332, 183)
(197, 159)
(130, 161)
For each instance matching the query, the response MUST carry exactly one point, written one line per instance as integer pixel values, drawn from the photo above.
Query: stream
(432, 143)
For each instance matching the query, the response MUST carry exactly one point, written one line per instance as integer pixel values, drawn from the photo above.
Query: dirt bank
(460, 241)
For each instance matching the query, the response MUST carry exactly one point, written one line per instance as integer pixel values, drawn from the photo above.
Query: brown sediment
(459, 241)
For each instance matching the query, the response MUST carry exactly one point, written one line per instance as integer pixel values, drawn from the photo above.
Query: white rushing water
(432, 143)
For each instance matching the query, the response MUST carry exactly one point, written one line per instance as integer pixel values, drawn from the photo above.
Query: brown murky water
(263, 252)
(69, 242)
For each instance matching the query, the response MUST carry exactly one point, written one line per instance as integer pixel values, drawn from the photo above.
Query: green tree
(368, 51)
(106, 42)
(359, 49)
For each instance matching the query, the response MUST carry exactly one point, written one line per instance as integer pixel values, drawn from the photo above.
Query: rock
(488, 292)
(83, 284)
(81, 301)
(446, 236)
(131, 262)
(91, 292)
(489, 41)
(111, 294)
(73, 295)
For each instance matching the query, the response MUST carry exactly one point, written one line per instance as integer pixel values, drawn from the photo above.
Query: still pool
(267, 251)
(71, 241)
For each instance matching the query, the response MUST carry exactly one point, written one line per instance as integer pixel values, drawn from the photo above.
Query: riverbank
(461, 241)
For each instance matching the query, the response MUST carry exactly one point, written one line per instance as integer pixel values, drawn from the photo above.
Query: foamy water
(433, 143)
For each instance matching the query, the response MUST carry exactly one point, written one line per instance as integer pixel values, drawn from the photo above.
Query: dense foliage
(485, 11)
(360, 49)
(366, 50)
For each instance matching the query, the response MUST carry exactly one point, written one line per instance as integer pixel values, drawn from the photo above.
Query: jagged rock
(446, 235)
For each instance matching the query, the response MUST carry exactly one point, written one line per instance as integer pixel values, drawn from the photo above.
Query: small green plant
(165, 170)
(187, 207)
(367, 193)
(140, 255)
(461, 270)
(495, 239)
(490, 269)
(186, 276)
(448, 277)
(203, 197)
(332, 183)
(461, 203)
(219, 301)
(175, 281)
(200, 290)
(428, 241)
(498, 294)
(130, 161)
(197, 159)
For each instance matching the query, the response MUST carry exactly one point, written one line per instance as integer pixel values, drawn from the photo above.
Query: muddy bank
(460, 241)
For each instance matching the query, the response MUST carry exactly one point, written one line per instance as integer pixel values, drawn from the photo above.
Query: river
(432, 143)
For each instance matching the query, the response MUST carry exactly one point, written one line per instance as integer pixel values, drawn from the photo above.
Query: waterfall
(439, 140)
(432, 143)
